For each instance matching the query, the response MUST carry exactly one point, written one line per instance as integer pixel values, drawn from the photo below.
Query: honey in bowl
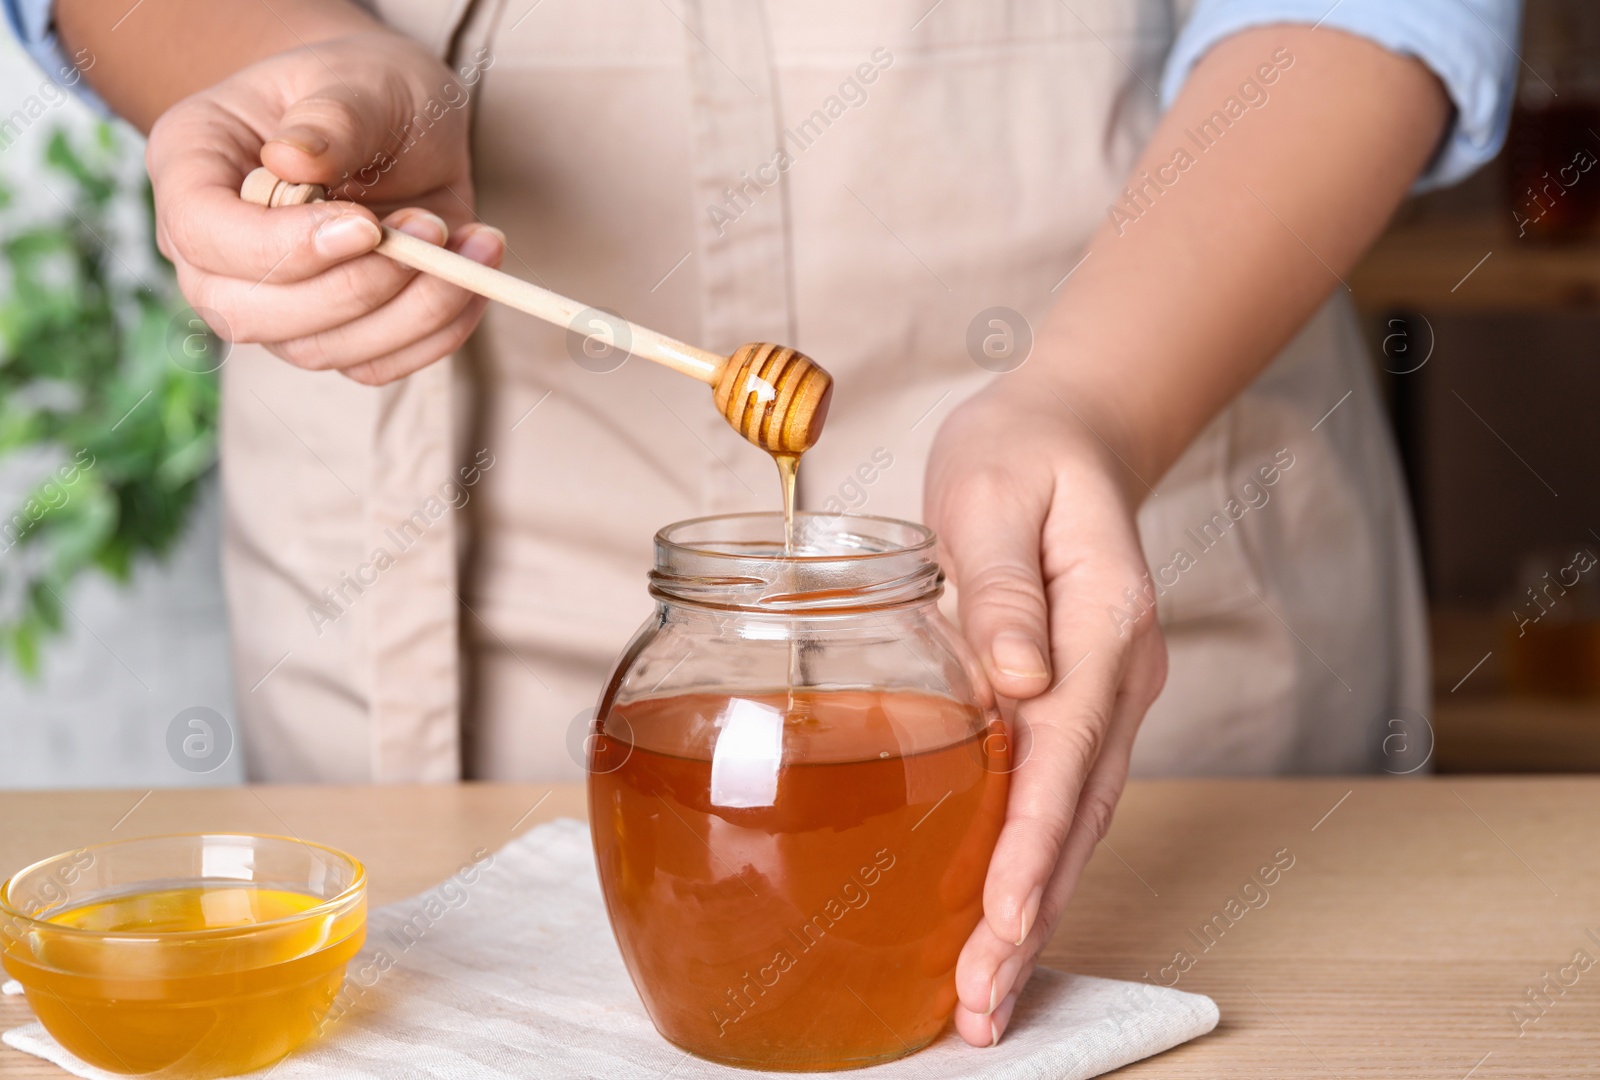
(797, 897)
(192, 956)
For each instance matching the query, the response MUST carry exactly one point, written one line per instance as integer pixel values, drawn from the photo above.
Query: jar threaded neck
(841, 563)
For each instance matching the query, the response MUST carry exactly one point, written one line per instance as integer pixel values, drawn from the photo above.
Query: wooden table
(1413, 920)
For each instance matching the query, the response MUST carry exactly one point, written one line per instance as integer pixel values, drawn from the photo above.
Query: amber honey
(169, 989)
(791, 876)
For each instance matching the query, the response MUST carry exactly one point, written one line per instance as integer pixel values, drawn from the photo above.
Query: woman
(432, 561)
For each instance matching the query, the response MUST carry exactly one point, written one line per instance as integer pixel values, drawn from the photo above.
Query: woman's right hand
(376, 119)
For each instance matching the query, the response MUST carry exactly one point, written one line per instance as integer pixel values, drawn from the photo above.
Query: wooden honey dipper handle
(772, 395)
(264, 189)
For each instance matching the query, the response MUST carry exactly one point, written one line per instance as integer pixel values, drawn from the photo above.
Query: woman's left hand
(1037, 533)
(1174, 316)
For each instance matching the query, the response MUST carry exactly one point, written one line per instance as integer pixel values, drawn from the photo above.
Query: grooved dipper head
(775, 397)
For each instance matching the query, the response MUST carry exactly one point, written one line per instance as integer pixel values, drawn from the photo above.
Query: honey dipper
(772, 395)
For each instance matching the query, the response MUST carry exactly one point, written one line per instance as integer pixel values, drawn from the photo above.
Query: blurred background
(1483, 308)
(111, 614)
(1482, 305)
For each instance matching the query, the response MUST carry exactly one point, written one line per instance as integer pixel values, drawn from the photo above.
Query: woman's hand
(1175, 314)
(1037, 533)
(375, 118)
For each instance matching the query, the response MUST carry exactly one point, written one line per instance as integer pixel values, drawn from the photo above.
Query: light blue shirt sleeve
(1469, 44)
(33, 23)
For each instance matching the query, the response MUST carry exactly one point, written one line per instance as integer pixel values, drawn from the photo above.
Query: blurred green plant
(106, 375)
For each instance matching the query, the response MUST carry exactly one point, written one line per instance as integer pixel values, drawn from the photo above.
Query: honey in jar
(796, 781)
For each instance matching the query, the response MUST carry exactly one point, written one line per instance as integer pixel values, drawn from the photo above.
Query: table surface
(1401, 942)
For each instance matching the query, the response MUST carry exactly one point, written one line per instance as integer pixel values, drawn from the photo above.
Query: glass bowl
(184, 956)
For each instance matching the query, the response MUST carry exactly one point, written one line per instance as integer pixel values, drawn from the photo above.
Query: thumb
(991, 538)
(332, 135)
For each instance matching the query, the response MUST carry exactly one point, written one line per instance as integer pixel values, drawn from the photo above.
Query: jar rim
(847, 562)
(664, 541)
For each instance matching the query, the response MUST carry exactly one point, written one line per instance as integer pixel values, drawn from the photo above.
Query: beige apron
(431, 580)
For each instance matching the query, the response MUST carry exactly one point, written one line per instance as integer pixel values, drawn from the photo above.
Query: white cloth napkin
(515, 973)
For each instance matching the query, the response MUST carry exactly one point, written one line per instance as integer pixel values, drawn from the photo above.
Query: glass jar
(797, 775)
(1552, 637)
(1550, 148)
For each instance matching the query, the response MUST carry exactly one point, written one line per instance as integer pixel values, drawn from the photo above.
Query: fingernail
(1016, 655)
(485, 244)
(346, 235)
(1001, 1018)
(1030, 911)
(1005, 975)
(304, 140)
(425, 226)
